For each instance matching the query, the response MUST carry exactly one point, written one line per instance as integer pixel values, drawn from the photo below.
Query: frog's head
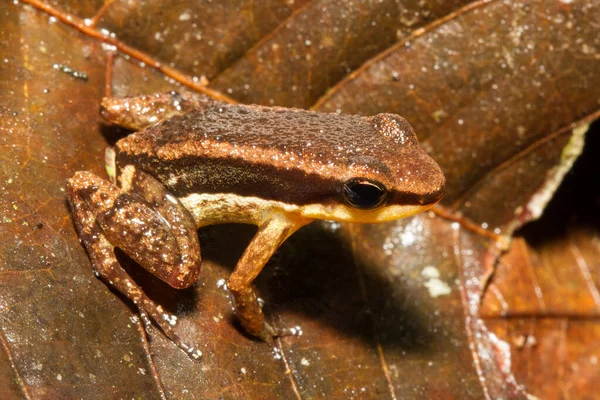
(397, 180)
(388, 176)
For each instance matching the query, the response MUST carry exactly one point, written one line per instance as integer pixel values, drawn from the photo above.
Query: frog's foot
(139, 112)
(284, 331)
(149, 312)
(106, 218)
(271, 332)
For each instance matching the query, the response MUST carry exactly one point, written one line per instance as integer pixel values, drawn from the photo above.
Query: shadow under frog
(313, 275)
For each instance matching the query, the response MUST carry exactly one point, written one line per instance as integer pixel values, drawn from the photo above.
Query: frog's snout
(433, 196)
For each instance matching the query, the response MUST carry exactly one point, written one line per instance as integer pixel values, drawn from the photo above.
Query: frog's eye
(364, 194)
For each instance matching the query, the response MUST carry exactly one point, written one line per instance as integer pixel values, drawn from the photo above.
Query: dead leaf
(500, 93)
(298, 61)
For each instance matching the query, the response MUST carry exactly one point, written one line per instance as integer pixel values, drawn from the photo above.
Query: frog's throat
(342, 213)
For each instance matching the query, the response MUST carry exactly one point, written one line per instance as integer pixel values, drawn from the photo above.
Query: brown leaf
(200, 38)
(387, 311)
(316, 47)
(544, 297)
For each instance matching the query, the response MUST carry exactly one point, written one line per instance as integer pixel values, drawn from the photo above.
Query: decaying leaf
(500, 93)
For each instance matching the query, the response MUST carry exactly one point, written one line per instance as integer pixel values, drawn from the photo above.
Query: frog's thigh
(269, 237)
(82, 189)
(146, 222)
(167, 239)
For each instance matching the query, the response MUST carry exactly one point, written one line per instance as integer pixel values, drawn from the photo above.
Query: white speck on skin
(243, 370)
(59, 377)
(305, 362)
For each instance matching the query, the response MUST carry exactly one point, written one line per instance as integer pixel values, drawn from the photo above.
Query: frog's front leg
(145, 221)
(271, 234)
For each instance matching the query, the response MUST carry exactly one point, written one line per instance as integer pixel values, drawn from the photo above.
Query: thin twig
(88, 30)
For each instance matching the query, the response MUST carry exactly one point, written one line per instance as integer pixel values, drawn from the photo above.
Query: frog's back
(315, 136)
(259, 151)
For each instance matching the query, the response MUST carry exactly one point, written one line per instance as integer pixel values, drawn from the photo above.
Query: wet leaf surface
(325, 41)
(500, 93)
(544, 298)
(200, 38)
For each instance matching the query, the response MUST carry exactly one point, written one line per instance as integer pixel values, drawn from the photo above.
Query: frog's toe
(166, 322)
(286, 331)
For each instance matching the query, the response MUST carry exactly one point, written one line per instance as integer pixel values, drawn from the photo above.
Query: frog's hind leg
(161, 238)
(161, 233)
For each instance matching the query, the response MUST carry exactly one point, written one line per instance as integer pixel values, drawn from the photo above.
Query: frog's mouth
(429, 196)
(343, 213)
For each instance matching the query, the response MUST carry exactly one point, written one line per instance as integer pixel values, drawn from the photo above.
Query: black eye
(364, 194)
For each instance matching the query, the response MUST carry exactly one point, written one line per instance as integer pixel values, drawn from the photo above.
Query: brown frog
(196, 162)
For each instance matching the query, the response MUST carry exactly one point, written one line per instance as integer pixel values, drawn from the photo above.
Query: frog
(192, 161)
